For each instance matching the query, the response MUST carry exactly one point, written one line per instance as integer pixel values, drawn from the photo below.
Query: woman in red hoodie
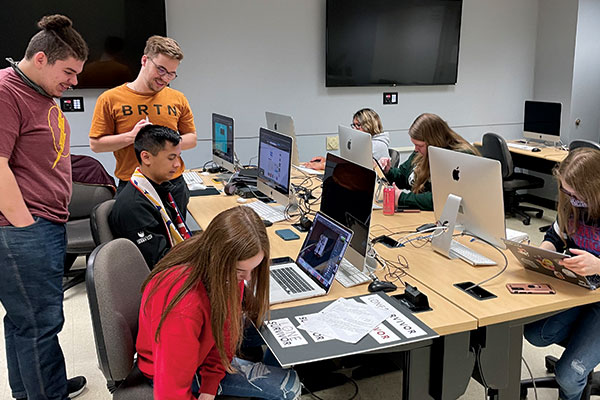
(190, 322)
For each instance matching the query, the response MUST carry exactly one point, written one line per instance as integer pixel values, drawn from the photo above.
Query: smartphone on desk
(530, 288)
(287, 234)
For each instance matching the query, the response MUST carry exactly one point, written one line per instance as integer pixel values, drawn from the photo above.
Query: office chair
(494, 146)
(592, 387)
(395, 158)
(101, 232)
(583, 143)
(114, 277)
(79, 235)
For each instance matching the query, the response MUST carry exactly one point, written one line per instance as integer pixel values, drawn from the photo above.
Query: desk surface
(439, 274)
(445, 318)
(546, 153)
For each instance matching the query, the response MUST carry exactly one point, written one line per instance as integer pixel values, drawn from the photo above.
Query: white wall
(245, 57)
(585, 101)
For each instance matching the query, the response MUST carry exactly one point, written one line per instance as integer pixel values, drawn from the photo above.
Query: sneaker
(75, 386)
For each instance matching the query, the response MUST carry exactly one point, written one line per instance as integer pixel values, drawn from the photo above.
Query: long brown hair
(434, 131)
(211, 259)
(581, 171)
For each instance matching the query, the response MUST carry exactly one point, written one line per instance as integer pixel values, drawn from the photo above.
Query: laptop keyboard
(348, 275)
(290, 280)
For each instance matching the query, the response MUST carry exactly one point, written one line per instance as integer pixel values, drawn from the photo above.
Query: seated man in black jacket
(145, 212)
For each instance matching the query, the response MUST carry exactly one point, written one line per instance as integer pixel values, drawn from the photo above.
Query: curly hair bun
(54, 22)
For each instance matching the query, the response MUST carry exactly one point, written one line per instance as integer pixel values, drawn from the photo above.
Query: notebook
(546, 262)
(313, 272)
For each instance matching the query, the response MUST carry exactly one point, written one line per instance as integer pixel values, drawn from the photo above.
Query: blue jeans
(31, 270)
(257, 380)
(578, 329)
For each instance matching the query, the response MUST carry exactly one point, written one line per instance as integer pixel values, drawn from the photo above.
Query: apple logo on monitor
(349, 144)
(455, 174)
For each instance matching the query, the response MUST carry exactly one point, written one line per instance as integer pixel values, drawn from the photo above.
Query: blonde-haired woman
(412, 178)
(577, 229)
(190, 322)
(368, 121)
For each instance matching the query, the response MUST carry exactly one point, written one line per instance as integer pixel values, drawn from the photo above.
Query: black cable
(349, 380)
(495, 275)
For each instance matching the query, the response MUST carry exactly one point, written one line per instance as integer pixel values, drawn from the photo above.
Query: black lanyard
(26, 79)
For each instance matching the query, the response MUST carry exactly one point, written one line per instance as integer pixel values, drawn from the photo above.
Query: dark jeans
(31, 270)
(180, 193)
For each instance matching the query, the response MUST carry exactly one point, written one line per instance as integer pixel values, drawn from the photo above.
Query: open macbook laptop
(546, 262)
(313, 272)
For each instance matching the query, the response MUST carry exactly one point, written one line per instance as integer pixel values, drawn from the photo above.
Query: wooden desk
(542, 161)
(500, 320)
(432, 373)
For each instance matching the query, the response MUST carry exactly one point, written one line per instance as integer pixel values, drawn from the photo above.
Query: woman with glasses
(191, 315)
(368, 121)
(412, 179)
(577, 229)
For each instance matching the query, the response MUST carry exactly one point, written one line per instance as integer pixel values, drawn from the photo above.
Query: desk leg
(501, 347)
(439, 372)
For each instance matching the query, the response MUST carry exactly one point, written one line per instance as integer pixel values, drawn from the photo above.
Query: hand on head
(141, 123)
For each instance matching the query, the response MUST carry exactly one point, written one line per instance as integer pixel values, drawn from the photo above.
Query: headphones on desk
(230, 189)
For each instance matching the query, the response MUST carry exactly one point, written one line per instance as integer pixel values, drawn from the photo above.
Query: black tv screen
(392, 42)
(115, 31)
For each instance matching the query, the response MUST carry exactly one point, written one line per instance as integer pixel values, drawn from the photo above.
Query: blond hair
(434, 131)
(369, 120)
(163, 45)
(581, 171)
(211, 258)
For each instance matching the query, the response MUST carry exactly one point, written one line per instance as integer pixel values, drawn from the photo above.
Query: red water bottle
(389, 205)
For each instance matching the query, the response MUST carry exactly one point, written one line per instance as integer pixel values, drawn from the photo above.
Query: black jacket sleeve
(138, 223)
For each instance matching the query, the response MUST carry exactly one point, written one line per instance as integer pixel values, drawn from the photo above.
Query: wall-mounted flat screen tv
(392, 42)
(115, 31)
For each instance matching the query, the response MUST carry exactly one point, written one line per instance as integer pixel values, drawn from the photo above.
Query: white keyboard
(191, 177)
(520, 146)
(309, 171)
(348, 275)
(470, 256)
(265, 211)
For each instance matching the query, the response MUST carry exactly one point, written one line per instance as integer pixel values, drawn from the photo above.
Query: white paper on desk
(316, 336)
(404, 325)
(286, 333)
(345, 319)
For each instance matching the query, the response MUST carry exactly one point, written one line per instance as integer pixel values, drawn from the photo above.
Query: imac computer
(274, 165)
(283, 124)
(541, 121)
(356, 146)
(467, 191)
(347, 197)
(222, 142)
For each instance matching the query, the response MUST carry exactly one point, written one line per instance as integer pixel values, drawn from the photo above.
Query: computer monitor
(274, 164)
(541, 121)
(222, 142)
(356, 146)
(347, 197)
(472, 187)
(283, 124)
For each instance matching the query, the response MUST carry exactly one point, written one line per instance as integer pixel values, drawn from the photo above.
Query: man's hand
(582, 263)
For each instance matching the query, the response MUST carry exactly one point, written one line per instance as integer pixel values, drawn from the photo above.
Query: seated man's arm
(138, 224)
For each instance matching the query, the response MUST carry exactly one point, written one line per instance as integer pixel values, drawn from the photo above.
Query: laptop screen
(323, 250)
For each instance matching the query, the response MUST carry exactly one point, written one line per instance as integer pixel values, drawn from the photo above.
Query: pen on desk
(407, 210)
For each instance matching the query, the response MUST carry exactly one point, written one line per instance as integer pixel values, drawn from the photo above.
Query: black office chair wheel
(523, 395)
(539, 214)
(550, 362)
(527, 221)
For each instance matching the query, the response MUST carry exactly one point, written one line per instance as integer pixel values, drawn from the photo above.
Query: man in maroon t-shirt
(35, 187)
